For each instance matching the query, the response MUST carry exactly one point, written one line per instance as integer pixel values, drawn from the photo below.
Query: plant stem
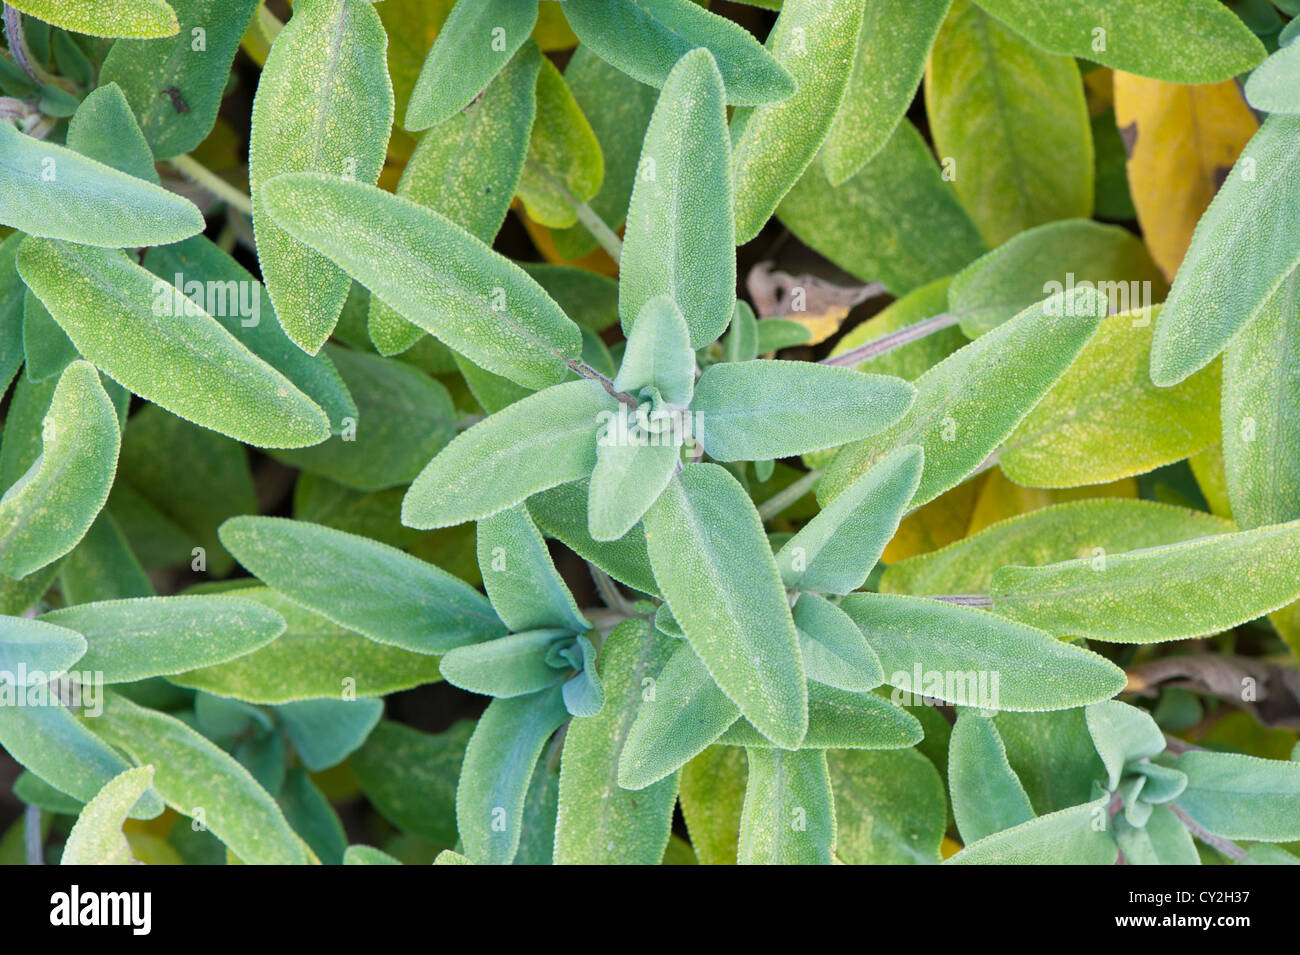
(960, 600)
(610, 593)
(586, 371)
(196, 172)
(1226, 846)
(893, 340)
(32, 835)
(13, 109)
(788, 495)
(18, 43)
(602, 233)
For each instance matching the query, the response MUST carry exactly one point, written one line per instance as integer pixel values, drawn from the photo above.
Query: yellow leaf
(1001, 498)
(597, 260)
(1181, 142)
(937, 524)
(1099, 90)
(412, 26)
(1207, 468)
(552, 31)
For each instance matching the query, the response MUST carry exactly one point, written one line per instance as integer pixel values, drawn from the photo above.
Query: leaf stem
(788, 495)
(896, 339)
(586, 371)
(32, 834)
(960, 600)
(1226, 846)
(18, 44)
(201, 175)
(602, 233)
(610, 593)
(14, 109)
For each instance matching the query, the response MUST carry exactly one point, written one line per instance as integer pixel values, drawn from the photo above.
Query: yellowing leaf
(1181, 142)
(1000, 498)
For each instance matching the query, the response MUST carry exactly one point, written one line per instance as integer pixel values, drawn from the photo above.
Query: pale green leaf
(499, 764)
(929, 648)
(434, 273)
(789, 813)
(41, 649)
(96, 837)
(1039, 262)
(211, 278)
(646, 41)
(562, 513)
(1156, 594)
(1242, 797)
(626, 481)
(473, 45)
(712, 796)
(368, 855)
(599, 822)
(892, 49)
(509, 666)
(834, 651)
(1261, 412)
(105, 129)
(314, 658)
(49, 190)
(839, 719)
(546, 439)
(971, 401)
(197, 779)
(1241, 253)
(130, 640)
(987, 796)
(1272, 86)
(187, 363)
(325, 732)
(715, 568)
(753, 410)
(774, 143)
(836, 550)
(1179, 41)
(1122, 734)
(682, 712)
(526, 590)
(679, 240)
(1079, 835)
(390, 597)
(659, 353)
(324, 104)
(48, 510)
(140, 19)
(1164, 840)
(57, 747)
